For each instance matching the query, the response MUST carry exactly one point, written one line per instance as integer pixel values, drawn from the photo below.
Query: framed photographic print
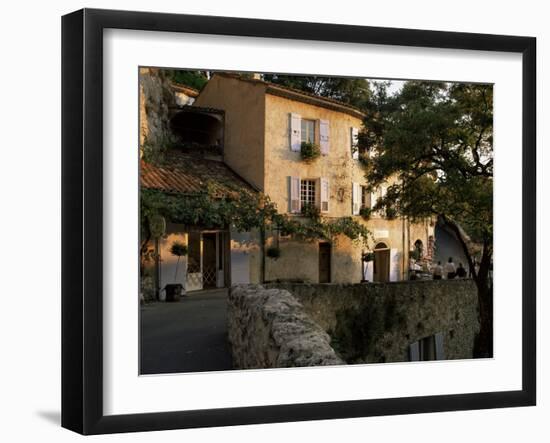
(269, 221)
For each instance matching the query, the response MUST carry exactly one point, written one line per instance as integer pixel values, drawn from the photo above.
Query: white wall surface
(30, 190)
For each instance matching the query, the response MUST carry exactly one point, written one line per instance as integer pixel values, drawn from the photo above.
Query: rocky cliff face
(155, 99)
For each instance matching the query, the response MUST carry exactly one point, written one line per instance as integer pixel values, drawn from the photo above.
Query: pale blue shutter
(324, 136)
(295, 132)
(294, 198)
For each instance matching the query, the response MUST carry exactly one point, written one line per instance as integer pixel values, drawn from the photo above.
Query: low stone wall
(269, 328)
(377, 322)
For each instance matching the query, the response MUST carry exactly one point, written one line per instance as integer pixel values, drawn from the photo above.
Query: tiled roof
(191, 92)
(299, 95)
(188, 174)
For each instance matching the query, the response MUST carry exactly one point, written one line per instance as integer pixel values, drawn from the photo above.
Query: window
(307, 193)
(427, 348)
(365, 198)
(308, 131)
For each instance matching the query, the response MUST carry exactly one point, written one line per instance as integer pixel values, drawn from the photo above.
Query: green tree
(353, 91)
(194, 79)
(435, 140)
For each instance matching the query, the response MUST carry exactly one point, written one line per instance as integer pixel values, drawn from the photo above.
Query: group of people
(450, 270)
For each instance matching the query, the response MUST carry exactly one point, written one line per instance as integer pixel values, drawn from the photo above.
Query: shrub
(365, 212)
(273, 252)
(178, 249)
(368, 256)
(311, 211)
(364, 159)
(309, 151)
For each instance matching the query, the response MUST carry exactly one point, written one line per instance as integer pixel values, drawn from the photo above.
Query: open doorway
(325, 252)
(381, 267)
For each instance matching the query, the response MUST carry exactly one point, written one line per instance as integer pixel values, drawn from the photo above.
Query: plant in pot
(176, 290)
(273, 252)
(366, 257)
(309, 151)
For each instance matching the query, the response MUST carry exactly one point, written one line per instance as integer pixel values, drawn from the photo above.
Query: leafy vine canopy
(244, 211)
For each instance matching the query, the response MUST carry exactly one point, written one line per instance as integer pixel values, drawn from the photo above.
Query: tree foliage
(243, 211)
(353, 91)
(433, 141)
(194, 79)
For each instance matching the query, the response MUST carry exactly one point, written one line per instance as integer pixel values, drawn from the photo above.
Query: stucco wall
(270, 329)
(281, 162)
(299, 260)
(244, 106)
(245, 257)
(372, 323)
(257, 146)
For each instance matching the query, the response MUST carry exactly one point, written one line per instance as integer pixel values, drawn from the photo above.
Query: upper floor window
(308, 131)
(365, 198)
(304, 130)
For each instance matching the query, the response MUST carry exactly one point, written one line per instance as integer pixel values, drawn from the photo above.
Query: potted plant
(174, 291)
(366, 257)
(273, 252)
(309, 151)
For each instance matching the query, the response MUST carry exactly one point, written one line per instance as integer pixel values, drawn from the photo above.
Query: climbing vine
(244, 211)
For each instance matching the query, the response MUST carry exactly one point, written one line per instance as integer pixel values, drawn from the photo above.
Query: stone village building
(259, 128)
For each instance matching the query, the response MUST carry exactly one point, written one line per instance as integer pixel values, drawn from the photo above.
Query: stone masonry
(269, 328)
(376, 322)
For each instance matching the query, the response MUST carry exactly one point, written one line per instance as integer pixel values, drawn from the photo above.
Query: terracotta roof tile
(188, 174)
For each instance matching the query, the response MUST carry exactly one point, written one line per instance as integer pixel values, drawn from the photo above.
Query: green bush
(309, 151)
(273, 252)
(365, 212)
(178, 249)
(364, 159)
(310, 211)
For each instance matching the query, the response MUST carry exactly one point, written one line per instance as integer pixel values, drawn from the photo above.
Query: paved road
(185, 336)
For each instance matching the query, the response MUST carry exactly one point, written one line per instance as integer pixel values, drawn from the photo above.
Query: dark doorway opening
(381, 269)
(325, 252)
(209, 268)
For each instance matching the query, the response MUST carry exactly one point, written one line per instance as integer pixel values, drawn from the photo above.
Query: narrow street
(185, 336)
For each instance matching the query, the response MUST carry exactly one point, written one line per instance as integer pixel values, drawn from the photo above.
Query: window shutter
(324, 135)
(439, 352)
(354, 148)
(295, 132)
(294, 195)
(355, 198)
(324, 194)
(414, 352)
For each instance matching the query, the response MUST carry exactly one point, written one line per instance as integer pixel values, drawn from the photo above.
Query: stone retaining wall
(377, 322)
(269, 328)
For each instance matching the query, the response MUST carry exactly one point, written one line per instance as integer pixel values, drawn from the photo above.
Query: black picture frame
(82, 259)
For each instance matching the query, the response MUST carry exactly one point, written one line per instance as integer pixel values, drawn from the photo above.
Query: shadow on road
(185, 336)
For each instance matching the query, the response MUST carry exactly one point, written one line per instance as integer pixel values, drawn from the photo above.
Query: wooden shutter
(294, 186)
(439, 352)
(414, 352)
(354, 134)
(324, 187)
(355, 198)
(324, 136)
(295, 132)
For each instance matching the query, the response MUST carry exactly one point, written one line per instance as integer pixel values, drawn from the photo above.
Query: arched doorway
(381, 268)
